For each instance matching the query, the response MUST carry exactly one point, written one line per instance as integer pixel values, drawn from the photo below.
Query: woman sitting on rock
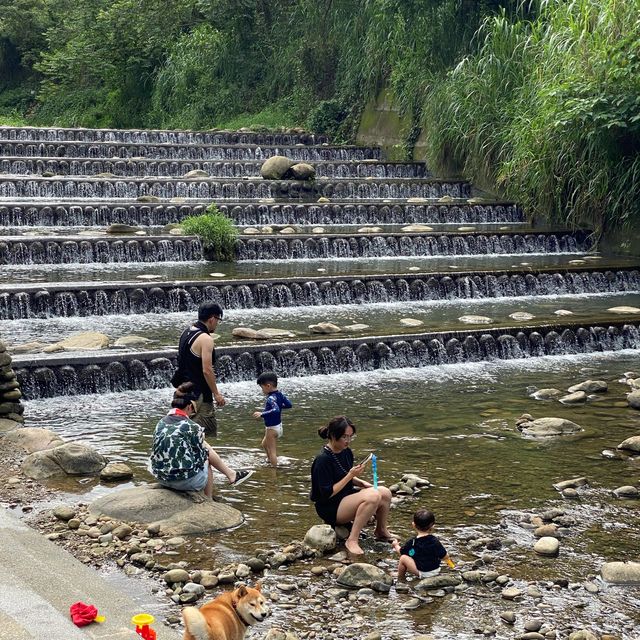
(335, 482)
(181, 459)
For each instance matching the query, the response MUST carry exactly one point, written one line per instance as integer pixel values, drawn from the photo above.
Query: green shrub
(327, 118)
(549, 111)
(216, 232)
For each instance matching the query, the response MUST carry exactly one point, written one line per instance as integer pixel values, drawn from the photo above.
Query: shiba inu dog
(227, 617)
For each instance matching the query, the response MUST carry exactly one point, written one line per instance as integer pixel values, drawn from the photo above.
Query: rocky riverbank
(527, 576)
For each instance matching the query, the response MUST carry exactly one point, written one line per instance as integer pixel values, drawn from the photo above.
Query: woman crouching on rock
(181, 458)
(335, 482)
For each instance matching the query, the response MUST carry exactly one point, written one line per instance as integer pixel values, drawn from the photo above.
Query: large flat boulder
(361, 574)
(546, 427)
(72, 459)
(176, 512)
(33, 439)
(621, 572)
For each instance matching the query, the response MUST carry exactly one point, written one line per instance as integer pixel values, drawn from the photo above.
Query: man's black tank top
(190, 365)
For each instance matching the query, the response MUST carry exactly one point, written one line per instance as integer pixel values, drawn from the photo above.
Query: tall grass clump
(548, 111)
(216, 232)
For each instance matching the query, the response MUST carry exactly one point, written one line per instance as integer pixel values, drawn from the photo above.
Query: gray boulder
(118, 227)
(6, 425)
(276, 168)
(627, 491)
(303, 171)
(630, 444)
(72, 459)
(321, 537)
(570, 484)
(545, 427)
(440, 582)
(633, 399)
(590, 386)
(175, 512)
(547, 546)
(547, 394)
(116, 472)
(621, 572)
(196, 173)
(574, 398)
(361, 574)
(33, 439)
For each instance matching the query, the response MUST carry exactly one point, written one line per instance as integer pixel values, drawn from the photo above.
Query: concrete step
(20, 166)
(25, 213)
(20, 275)
(153, 136)
(169, 151)
(12, 188)
(105, 249)
(115, 372)
(40, 581)
(86, 299)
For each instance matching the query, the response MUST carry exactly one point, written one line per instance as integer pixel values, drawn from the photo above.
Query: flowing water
(461, 435)
(452, 423)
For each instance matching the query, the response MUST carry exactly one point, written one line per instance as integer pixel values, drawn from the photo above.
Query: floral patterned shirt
(179, 450)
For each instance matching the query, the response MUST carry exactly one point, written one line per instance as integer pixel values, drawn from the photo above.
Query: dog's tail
(195, 623)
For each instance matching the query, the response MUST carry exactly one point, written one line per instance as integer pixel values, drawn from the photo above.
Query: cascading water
(44, 301)
(48, 378)
(19, 214)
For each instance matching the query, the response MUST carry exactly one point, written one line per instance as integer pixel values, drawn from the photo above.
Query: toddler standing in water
(275, 402)
(421, 555)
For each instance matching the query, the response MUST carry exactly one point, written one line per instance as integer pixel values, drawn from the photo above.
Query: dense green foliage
(216, 231)
(538, 98)
(549, 110)
(206, 63)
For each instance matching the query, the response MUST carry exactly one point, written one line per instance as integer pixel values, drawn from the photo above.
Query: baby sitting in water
(421, 556)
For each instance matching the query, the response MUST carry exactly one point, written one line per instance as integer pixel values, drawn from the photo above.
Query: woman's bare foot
(385, 535)
(353, 547)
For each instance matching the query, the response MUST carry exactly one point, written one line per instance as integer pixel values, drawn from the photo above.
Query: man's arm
(204, 344)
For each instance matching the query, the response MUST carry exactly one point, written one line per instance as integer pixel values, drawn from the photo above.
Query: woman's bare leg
(208, 488)
(358, 507)
(216, 462)
(382, 515)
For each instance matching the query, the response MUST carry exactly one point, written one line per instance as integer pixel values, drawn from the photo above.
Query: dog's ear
(258, 586)
(241, 591)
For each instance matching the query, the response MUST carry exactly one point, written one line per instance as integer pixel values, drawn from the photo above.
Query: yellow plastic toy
(143, 622)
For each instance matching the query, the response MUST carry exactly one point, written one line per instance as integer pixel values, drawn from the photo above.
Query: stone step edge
(37, 178)
(217, 145)
(222, 282)
(252, 161)
(444, 336)
(582, 233)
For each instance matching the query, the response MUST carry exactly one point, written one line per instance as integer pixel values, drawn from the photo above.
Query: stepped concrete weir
(214, 168)
(81, 374)
(377, 245)
(230, 189)
(185, 152)
(155, 136)
(21, 214)
(49, 300)
(362, 188)
(105, 249)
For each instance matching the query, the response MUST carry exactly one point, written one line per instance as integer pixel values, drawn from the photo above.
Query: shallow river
(460, 434)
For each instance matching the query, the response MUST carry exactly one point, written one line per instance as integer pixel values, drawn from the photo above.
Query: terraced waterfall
(449, 307)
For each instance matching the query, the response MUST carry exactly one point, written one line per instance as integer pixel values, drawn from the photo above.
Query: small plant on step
(216, 232)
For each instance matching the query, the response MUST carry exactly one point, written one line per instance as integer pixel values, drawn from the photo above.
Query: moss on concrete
(383, 125)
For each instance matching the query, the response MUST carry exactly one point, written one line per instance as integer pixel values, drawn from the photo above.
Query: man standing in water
(195, 364)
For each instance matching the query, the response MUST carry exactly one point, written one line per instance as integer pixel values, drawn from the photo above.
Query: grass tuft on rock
(216, 232)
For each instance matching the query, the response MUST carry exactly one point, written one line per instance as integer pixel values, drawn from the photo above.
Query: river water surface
(452, 424)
